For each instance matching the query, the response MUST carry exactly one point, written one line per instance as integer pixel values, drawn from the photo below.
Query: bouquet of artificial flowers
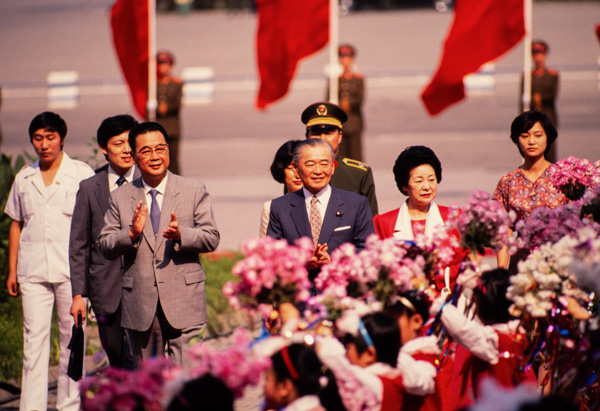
(273, 272)
(118, 389)
(547, 225)
(573, 176)
(544, 279)
(483, 223)
(378, 272)
(237, 366)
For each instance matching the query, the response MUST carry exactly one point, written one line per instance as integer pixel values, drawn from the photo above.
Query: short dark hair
(385, 333)
(113, 126)
(206, 393)
(490, 297)
(283, 158)
(412, 157)
(48, 121)
(523, 123)
(145, 128)
(310, 142)
(418, 302)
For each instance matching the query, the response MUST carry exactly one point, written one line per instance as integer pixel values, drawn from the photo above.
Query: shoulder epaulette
(355, 163)
(552, 71)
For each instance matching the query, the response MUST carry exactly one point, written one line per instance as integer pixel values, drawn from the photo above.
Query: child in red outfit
(491, 349)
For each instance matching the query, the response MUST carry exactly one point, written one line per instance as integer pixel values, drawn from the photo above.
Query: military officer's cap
(346, 50)
(323, 114)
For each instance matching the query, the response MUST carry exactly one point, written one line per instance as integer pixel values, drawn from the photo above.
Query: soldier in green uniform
(169, 91)
(324, 120)
(351, 94)
(544, 89)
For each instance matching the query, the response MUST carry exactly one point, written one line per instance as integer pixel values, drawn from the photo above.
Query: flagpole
(152, 104)
(526, 97)
(334, 23)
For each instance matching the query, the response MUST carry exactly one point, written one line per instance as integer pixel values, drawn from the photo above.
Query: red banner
(482, 31)
(129, 22)
(287, 32)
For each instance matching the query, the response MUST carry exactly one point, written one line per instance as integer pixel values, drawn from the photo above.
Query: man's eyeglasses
(160, 150)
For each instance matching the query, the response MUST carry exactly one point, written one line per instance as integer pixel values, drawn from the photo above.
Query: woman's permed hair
(412, 157)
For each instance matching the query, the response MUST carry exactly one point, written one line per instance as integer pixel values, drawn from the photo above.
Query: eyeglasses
(160, 150)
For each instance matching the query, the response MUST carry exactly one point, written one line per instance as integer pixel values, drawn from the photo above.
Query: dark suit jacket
(92, 275)
(347, 219)
(156, 268)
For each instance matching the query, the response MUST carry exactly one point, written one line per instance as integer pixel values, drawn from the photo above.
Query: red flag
(482, 31)
(287, 32)
(129, 22)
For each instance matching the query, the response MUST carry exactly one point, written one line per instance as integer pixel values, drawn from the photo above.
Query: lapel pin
(338, 213)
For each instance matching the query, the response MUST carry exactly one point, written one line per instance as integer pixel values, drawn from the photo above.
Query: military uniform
(170, 93)
(356, 177)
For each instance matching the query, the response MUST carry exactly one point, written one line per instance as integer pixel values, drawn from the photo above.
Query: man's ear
(102, 150)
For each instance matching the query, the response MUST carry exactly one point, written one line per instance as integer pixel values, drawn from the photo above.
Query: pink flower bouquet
(573, 176)
(550, 225)
(378, 272)
(483, 223)
(125, 390)
(237, 366)
(273, 272)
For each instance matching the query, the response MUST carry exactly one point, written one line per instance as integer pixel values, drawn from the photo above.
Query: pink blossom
(574, 176)
(272, 272)
(483, 223)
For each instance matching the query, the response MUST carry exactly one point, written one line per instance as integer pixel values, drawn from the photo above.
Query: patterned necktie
(121, 181)
(154, 211)
(315, 219)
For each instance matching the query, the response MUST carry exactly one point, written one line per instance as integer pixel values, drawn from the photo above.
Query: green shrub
(217, 267)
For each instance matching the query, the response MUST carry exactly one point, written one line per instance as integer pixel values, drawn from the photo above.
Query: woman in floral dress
(529, 186)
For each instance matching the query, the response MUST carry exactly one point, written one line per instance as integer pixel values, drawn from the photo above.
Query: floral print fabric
(516, 192)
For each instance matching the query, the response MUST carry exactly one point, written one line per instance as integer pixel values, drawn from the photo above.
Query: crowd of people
(136, 230)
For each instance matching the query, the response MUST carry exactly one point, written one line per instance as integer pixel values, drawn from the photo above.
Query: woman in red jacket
(417, 172)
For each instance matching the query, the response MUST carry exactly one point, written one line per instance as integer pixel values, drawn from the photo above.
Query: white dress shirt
(159, 197)
(323, 196)
(113, 176)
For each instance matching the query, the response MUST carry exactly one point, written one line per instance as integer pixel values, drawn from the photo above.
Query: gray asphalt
(229, 145)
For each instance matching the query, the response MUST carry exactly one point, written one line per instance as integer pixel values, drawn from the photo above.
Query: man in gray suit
(92, 275)
(159, 224)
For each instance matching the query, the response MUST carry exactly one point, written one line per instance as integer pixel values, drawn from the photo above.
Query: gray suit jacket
(161, 269)
(92, 275)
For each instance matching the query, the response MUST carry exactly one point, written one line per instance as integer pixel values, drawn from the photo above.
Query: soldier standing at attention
(544, 88)
(169, 90)
(351, 94)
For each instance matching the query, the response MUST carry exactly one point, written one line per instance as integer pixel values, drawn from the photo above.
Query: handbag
(75, 369)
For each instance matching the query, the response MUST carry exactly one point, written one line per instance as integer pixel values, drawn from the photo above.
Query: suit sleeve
(114, 240)
(80, 243)
(274, 228)
(364, 225)
(204, 236)
(368, 190)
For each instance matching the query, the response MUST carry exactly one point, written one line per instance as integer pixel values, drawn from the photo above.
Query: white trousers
(38, 300)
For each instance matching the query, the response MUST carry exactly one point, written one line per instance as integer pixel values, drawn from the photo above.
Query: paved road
(229, 145)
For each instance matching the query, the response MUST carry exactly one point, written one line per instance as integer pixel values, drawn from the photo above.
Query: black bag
(75, 370)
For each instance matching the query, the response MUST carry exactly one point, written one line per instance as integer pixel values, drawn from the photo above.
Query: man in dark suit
(92, 275)
(328, 215)
(324, 120)
(159, 224)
